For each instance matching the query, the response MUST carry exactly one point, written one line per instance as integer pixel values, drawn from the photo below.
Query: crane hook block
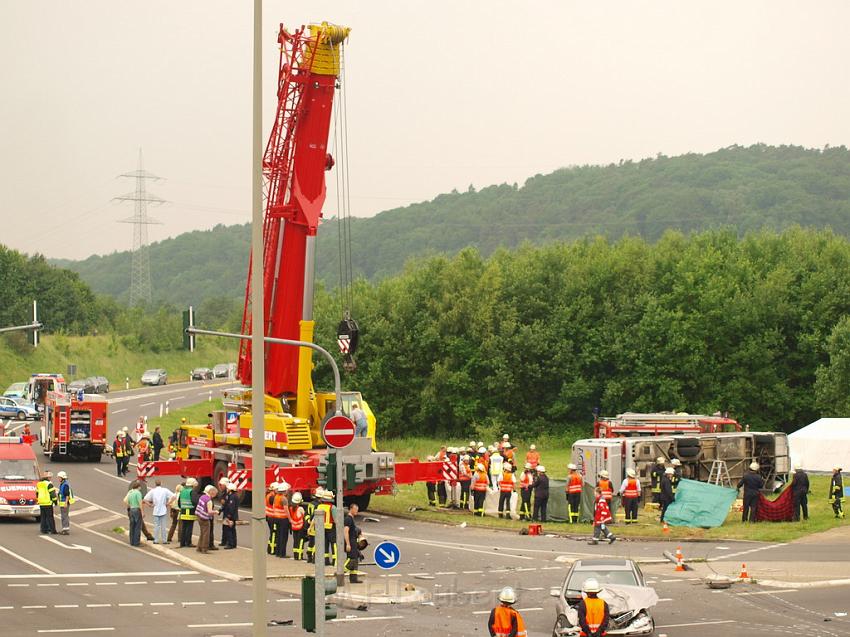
(347, 335)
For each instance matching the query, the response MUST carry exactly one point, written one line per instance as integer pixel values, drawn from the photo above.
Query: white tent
(822, 445)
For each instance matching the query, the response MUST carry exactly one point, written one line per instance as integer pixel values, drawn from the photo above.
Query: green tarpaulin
(700, 504)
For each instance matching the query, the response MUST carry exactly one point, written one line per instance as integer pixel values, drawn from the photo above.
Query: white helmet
(62, 474)
(659, 460)
(506, 466)
(528, 465)
(541, 469)
(296, 498)
(572, 467)
(506, 445)
(191, 482)
(631, 473)
(480, 466)
(506, 437)
(491, 448)
(480, 444)
(533, 447)
(754, 466)
(281, 487)
(676, 462)
(508, 596)
(603, 473)
(481, 449)
(471, 444)
(319, 491)
(669, 471)
(591, 585)
(798, 467)
(327, 495)
(273, 486)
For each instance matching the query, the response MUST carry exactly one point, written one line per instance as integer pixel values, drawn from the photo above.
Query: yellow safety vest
(46, 492)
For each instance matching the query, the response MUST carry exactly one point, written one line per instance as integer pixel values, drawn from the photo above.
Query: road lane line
(98, 605)
(131, 604)
(18, 585)
(45, 584)
(7, 607)
(165, 581)
(108, 474)
(193, 603)
(721, 621)
(118, 411)
(782, 590)
(194, 581)
(75, 630)
(162, 603)
(106, 583)
(66, 606)
(472, 572)
(443, 545)
(26, 561)
(727, 556)
(236, 625)
(134, 583)
(366, 619)
(227, 601)
(35, 606)
(147, 404)
(87, 575)
(83, 511)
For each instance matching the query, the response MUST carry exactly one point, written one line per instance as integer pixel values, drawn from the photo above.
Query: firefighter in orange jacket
(480, 482)
(465, 481)
(296, 522)
(630, 492)
(505, 621)
(271, 519)
(573, 489)
(506, 490)
(593, 613)
(280, 507)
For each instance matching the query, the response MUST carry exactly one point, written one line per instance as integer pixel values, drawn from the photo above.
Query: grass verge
(194, 414)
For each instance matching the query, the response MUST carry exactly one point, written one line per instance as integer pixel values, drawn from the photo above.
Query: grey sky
(441, 94)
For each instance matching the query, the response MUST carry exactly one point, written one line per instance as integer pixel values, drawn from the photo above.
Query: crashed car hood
(622, 598)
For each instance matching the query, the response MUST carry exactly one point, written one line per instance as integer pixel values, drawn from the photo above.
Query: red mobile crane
(294, 165)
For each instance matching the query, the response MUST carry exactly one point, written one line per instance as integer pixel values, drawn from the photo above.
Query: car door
(8, 407)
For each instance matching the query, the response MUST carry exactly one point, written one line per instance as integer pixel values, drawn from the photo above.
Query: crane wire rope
(343, 194)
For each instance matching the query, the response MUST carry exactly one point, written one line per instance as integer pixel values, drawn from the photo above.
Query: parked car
(101, 384)
(155, 377)
(88, 385)
(16, 390)
(221, 370)
(202, 373)
(623, 587)
(17, 408)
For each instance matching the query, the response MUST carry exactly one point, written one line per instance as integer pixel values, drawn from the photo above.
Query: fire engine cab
(75, 426)
(19, 473)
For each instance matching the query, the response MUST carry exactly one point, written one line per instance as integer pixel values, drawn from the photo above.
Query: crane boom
(294, 166)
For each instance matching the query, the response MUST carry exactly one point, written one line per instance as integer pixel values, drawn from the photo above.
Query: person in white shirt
(158, 499)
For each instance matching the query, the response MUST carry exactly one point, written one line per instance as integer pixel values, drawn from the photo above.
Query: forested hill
(757, 187)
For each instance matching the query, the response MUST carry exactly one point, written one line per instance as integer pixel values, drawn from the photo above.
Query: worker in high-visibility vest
(507, 484)
(281, 509)
(630, 492)
(47, 497)
(677, 473)
(526, 480)
(296, 521)
(65, 498)
(326, 505)
(573, 489)
(311, 532)
(505, 621)
(188, 500)
(604, 483)
(836, 492)
(271, 519)
(118, 453)
(480, 483)
(465, 481)
(593, 612)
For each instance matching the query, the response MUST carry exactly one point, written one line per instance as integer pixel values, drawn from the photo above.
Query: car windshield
(152, 372)
(603, 577)
(21, 401)
(18, 470)
(16, 387)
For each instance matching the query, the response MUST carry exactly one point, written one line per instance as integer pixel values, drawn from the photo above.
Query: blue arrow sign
(387, 555)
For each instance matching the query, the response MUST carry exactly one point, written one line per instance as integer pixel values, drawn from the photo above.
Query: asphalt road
(93, 582)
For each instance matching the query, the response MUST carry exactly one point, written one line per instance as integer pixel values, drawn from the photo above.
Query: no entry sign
(338, 432)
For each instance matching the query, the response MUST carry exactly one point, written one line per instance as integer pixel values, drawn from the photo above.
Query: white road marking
(446, 573)
(6, 607)
(550, 568)
(366, 619)
(41, 584)
(98, 605)
(193, 603)
(127, 604)
(747, 552)
(82, 511)
(19, 585)
(72, 547)
(721, 621)
(135, 583)
(218, 581)
(118, 411)
(36, 606)
(165, 581)
(66, 606)
(194, 581)
(77, 584)
(228, 601)
(455, 547)
(106, 584)
(78, 575)
(147, 404)
(26, 561)
(472, 572)
(782, 590)
(75, 630)
(665, 599)
(162, 603)
(111, 476)
(99, 521)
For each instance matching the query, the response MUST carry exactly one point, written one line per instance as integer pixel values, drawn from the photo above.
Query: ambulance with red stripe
(19, 473)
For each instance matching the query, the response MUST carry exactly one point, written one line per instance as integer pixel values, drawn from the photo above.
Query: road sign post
(338, 433)
(387, 555)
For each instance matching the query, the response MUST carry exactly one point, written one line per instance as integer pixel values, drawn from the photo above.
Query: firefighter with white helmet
(667, 495)
(507, 484)
(677, 473)
(65, 498)
(480, 483)
(573, 489)
(593, 611)
(504, 620)
(540, 486)
(753, 483)
(655, 476)
(532, 456)
(630, 492)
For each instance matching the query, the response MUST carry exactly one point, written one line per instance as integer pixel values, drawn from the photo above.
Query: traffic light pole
(319, 526)
(34, 326)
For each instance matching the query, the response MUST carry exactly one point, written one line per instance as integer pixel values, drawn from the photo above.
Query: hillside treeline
(532, 340)
(745, 188)
(67, 305)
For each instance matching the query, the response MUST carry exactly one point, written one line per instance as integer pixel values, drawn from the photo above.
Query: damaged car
(623, 585)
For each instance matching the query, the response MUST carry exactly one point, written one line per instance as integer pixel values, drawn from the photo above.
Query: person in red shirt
(601, 518)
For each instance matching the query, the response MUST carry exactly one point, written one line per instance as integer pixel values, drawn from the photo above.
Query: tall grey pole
(319, 525)
(258, 390)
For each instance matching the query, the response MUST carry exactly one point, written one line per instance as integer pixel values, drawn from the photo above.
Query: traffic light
(308, 601)
(188, 321)
(327, 471)
(355, 473)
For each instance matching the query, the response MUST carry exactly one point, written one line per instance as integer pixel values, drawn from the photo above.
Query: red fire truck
(75, 426)
(19, 473)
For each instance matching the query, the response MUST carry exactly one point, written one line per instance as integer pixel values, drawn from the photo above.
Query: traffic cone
(665, 529)
(744, 574)
(680, 561)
